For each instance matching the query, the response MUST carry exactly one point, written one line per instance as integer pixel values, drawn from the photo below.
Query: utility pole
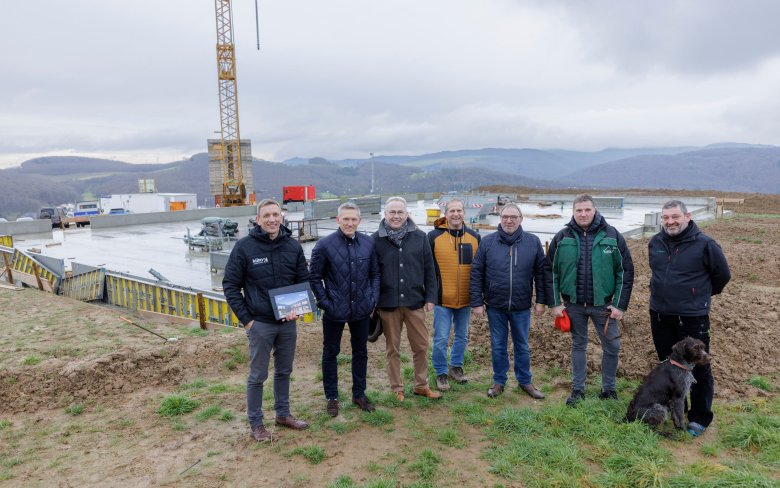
(372, 172)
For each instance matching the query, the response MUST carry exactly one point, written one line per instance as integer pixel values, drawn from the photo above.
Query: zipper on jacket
(512, 251)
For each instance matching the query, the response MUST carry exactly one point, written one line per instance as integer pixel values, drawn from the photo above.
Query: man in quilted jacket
(344, 275)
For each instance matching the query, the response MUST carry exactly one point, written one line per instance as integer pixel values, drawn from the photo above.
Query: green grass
(197, 332)
(343, 358)
(31, 360)
(313, 454)
(75, 409)
(195, 384)
(5, 423)
(425, 466)
(760, 382)
(379, 418)
(451, 438)
(237, 354)
(227, 416)
(208, 412)
(176, 405)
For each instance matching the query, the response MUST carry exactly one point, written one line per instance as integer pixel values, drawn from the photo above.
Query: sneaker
(364, 404)
(259, 434)
(427, 393)
(333, 407)
(608, 395)
(575, 397)
(442, 383)
(457, 375)
(696, 429)
(495, 390)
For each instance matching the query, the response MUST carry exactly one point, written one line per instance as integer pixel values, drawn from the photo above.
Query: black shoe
(608, 395)
(575, 397)
(364, 404)
(332, 408)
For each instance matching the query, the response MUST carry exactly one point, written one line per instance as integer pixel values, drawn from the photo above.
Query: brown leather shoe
(259, 434)
(399, 395)
(364, 404)
(427, 393)
(292, 423)
(495, 390)
(332, 408)
(532, 391)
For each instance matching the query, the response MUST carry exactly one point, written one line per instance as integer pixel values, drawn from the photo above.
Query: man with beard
(688, 267)
(508, 266)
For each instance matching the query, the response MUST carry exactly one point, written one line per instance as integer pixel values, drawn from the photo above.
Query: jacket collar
(382, 232)
(257, 232)
(441, 223)
(509, 239)
(598, 223)
(690, 233)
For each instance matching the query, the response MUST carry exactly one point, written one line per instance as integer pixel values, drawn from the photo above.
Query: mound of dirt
(57, 383)
(744, 317)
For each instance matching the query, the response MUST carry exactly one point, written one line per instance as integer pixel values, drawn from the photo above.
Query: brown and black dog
(667, 386)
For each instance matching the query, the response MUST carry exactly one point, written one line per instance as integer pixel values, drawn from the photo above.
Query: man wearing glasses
(407, 290)
(508, 267)
(590, 273)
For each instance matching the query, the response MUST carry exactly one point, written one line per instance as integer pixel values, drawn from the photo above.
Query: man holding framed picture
(344, 275)
(266, 259)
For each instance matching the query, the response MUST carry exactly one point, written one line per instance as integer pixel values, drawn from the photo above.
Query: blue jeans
(610, 344)
(444, 318)
(518, 324)
(265, 337)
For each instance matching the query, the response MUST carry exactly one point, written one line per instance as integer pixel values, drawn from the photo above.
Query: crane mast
(228, 152)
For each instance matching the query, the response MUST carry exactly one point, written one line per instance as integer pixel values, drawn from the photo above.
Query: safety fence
(122, 290)
(7, 241)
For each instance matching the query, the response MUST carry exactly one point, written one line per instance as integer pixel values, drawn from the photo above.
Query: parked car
(118, 211)
(2, 220)
(56, 215)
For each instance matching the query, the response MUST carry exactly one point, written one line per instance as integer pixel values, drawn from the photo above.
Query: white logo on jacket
(260, 260)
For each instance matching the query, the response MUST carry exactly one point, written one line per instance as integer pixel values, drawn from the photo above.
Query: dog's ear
(682, 347)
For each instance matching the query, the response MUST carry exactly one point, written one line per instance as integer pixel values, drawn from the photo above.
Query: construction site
(121, 363)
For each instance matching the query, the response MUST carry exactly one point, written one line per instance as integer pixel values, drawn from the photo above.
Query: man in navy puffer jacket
(508, 266)
(344, 275)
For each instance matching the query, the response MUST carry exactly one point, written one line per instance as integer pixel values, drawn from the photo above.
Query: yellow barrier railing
(140, 294)
(7, 241)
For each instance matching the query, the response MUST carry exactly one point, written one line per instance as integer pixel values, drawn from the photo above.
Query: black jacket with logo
(258, 264)
(687, 270)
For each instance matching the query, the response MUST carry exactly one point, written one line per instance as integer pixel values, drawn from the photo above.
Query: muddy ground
(59, 356)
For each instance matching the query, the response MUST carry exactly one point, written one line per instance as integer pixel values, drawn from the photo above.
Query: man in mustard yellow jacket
(454, 246)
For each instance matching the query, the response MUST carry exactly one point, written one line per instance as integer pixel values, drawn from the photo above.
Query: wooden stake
(201, 311)
(37, 276)
(8, 268)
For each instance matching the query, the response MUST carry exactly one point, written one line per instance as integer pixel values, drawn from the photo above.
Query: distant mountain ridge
(727, 167)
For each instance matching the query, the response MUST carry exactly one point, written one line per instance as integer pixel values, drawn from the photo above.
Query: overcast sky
(136, 80)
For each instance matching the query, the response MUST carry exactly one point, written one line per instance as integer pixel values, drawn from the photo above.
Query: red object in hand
(563, 323)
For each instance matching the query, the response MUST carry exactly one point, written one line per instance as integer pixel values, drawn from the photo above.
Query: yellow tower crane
(228, 150)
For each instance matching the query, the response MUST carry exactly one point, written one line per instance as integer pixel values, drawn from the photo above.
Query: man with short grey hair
(267, 258)
(688, 268)
(344, 275)
(507, 269)
(407, 291)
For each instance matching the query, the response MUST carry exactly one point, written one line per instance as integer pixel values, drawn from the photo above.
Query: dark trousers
(265, 338)
(331, 346)
(670, 329)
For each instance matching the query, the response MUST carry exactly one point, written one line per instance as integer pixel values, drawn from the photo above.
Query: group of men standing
(401, 273)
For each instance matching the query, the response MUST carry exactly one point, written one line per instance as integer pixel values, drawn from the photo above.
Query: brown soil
(55, 353)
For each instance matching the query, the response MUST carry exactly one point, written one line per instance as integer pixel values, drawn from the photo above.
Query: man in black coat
(267, 258)
(344, 275)
(407, 291)
(687, 267)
